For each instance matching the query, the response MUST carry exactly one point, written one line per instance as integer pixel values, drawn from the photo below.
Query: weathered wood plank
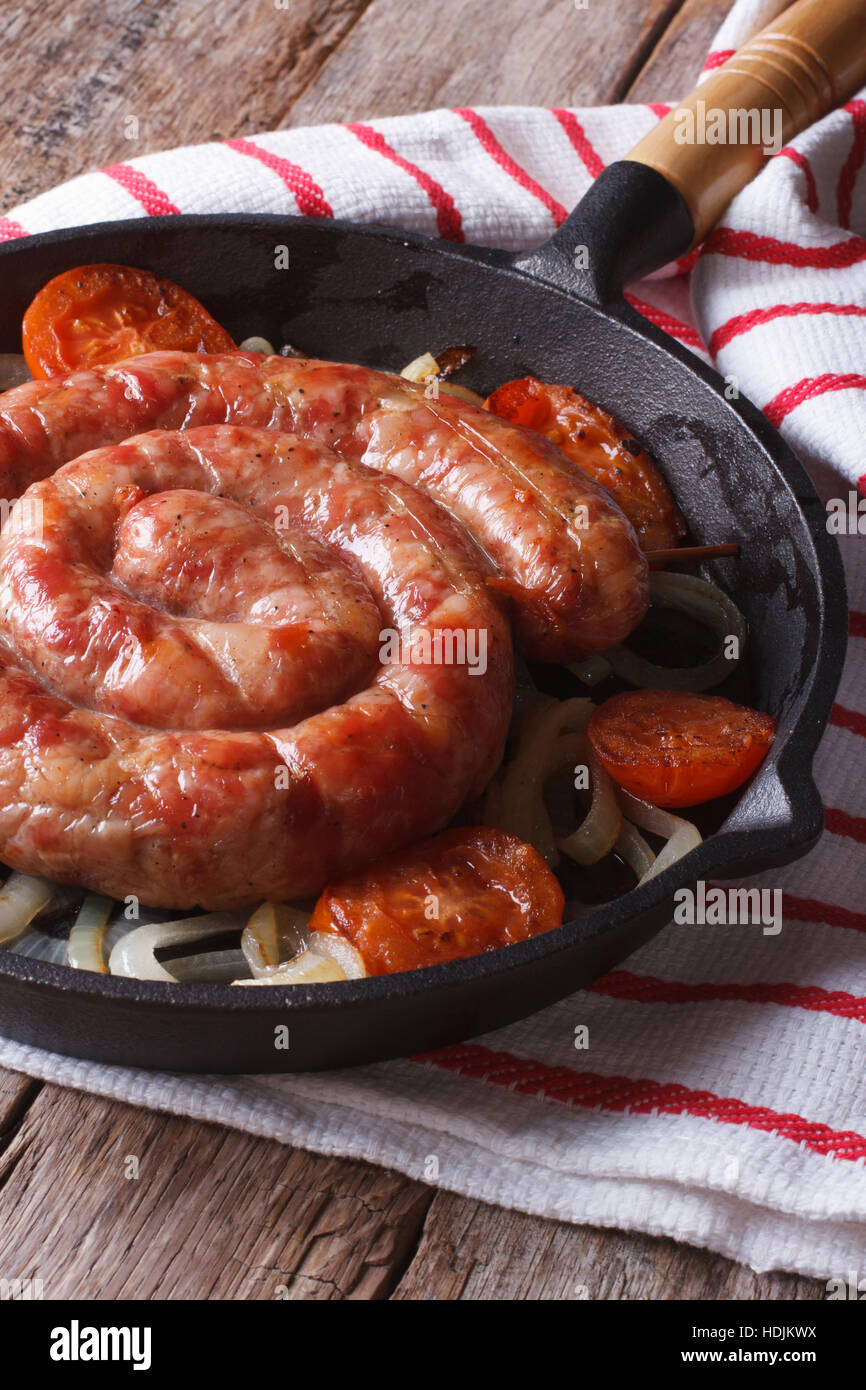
(142, 1191)
(76, 77)
(671, 67)
(470, 1251)
(100, 1200)
(16, 1093)
(408, 57)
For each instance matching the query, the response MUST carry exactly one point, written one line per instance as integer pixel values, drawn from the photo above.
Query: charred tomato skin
(456, 894)
(94, 315)
(676, 749)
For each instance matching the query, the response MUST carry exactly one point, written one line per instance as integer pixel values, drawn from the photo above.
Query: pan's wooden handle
(810, 59)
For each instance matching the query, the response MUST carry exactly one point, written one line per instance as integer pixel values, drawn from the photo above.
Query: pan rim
(723, 850)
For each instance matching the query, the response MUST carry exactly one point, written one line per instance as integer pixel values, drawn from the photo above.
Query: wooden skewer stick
(685, 553)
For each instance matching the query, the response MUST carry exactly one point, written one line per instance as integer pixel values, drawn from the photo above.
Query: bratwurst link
(172, 604)
(565, 553)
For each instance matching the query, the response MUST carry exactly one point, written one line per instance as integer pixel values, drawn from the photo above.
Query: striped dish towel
(722, 1096)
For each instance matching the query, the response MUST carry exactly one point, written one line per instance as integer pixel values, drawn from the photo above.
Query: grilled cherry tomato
(677, 749)
(601, 448)
(453, 895)
(98, 314)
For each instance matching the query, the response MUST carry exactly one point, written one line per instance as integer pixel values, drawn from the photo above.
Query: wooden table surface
(216, 1213)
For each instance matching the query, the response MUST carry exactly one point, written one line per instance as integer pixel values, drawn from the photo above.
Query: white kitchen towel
(722, 1097)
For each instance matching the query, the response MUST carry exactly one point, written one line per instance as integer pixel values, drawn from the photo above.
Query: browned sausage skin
(112, 775)
(563, 550)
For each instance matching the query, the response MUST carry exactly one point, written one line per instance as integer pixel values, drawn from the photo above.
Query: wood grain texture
(100, 1200)
(672, 64)
(409, 57)
(72, 74)
(16, 1094)
(470, 1251)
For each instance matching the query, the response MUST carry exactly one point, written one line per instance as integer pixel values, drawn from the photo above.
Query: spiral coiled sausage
(564, 552)
(195, 707)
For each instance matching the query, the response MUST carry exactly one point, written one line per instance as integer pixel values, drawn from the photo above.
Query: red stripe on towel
(501, 156)
(308, 195)
(675, 327)
(725, 241)
(850, 719)
(742, 323)
(646, 989)
(809, 389)
(10, 230)
(448, 220)
(591, 1091)
(717, 58)
(579, 141)
(803, 164)
(143, 189)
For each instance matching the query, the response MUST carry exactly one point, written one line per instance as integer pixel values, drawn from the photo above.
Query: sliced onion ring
(275, 933)
(681, 835)
(519, 804)
(703, 601)
(425, 369)
(21, 897)
(421, 369)
(86, 946)
(633, 848)
(134, 953)
(597, 834)
(328, 957)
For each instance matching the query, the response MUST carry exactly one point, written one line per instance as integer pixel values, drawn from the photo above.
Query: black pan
(379, 297)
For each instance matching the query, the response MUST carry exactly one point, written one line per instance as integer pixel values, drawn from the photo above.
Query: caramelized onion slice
(134, 957)
(425, 369)
(274, 935)
(681, 835)
(633, 848)
(21, 897)
(328, 957)
(86, 946)
(516, 801)
(708, 604)
(597, 834)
